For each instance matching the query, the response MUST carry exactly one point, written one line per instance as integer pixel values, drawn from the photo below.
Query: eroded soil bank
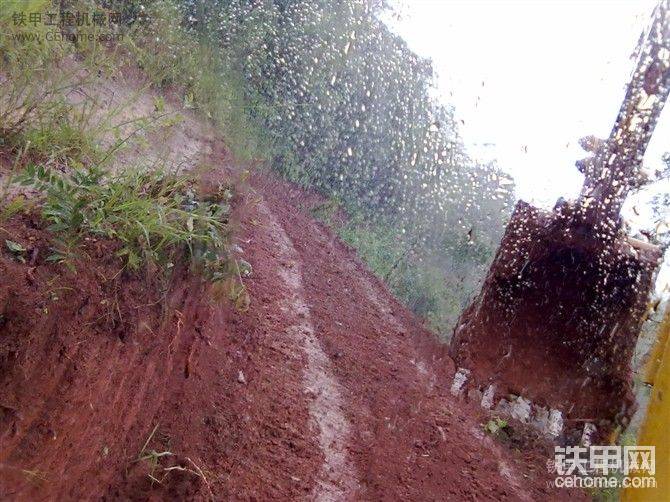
(325, 388)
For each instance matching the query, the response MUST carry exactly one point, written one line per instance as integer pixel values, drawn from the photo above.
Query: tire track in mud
(337, 479)
(424, 371)
(411, 416)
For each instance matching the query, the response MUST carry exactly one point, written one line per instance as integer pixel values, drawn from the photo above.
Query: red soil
(85, 378)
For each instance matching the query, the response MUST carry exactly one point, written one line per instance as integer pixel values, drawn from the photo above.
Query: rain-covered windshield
(340, 241)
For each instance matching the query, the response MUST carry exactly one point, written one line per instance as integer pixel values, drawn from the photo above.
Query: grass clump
(50, 111)
(496, 426)
(65, 141)
(38, 78)
(156, 216)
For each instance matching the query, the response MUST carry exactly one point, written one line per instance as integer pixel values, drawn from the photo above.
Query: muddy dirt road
(325, 389)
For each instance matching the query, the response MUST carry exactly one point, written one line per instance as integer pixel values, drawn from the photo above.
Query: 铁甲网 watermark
(72, 26)
(604, 467)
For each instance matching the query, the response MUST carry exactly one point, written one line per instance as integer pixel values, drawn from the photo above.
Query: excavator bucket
(558, 316)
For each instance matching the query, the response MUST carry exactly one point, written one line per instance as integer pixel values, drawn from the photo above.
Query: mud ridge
(337, 479)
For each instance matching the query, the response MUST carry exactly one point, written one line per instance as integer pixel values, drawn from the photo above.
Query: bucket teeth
(458, 383)
(487, 398)
(548, 421)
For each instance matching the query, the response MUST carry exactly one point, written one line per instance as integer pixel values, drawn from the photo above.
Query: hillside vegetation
(322, 93)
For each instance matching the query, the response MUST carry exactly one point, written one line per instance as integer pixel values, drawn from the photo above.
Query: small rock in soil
(240, 377)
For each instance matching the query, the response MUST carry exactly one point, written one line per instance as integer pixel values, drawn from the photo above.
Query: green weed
(35, 78)
(172, 57)
(48, 111)
(63, 141)
(17, 250)
(155, 216)
(495, 426)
